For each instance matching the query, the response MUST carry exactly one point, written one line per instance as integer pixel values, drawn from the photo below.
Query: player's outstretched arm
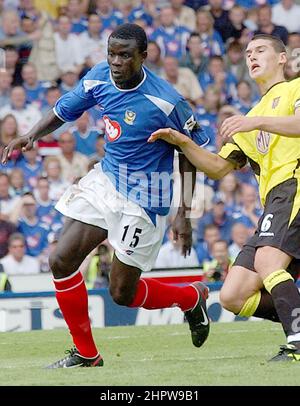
(213, 165)
(50, 122)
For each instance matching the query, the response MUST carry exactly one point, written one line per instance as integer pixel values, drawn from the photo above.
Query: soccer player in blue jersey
(125, 198)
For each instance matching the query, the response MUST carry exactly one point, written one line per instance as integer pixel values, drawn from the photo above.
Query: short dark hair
(131, 31)
(276, 42)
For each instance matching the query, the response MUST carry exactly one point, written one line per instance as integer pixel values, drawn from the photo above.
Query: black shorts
(278, 227)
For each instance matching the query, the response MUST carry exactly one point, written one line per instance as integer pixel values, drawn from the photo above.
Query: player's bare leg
(76, 242)
(128, 289)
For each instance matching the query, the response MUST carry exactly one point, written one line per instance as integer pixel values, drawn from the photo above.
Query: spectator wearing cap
(217, 216)
(17, 262)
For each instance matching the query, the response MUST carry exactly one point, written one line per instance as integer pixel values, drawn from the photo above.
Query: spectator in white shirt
(67, 47)
(16, 262)
(26, 115)
(170, 255)
(287, 13)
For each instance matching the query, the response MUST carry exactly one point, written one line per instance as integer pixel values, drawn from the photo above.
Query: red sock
(72, 298)
(152, 294)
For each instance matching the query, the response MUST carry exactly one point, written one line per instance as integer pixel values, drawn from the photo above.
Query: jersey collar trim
(129, 90)
(275, 84)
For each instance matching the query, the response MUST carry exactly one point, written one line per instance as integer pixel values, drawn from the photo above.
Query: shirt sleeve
(71, 105)
(182, 119)
(295, 95)
(232, 153)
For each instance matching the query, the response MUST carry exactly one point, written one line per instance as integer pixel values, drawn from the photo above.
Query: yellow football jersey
(273, 158)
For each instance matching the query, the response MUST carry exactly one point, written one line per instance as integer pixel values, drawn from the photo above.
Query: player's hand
(169, 135)
(182, 231)
(236, 124)
(25, 142)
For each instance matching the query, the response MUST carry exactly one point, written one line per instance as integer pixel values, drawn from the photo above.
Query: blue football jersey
(136, 167)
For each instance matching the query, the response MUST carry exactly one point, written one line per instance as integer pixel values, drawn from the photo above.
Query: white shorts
(94, 200)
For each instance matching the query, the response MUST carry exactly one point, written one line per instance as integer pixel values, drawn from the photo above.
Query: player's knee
(121, 296)
(229, 300)
(58, 265)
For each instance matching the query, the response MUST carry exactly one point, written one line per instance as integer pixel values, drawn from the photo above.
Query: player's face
(262, 60)
(124, 59)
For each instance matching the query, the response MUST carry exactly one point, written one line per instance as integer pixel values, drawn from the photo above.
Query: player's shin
(152, 294)
(71, 295)
(286, 298)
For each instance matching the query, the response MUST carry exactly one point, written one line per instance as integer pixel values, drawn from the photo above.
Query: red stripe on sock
(152, 294)
(74, 306)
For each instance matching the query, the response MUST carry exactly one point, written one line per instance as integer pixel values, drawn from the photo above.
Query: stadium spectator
(236, 25)
(194, 58)
(5, 86)
(235, 62)
(265, 25)
(216, 75)
(8, 203)
(9, 130)
(249, 211)
(293, 43)
(69, 79)
(239, 236)
(204, 248)
(171, 38)
(93, 42)
(170, 256)
(85, 135)
(26, 115)
(110, 16)
(183, 79)
(220, 17)
(17, 183)
(154, 61)
(211, 41)
(100, 152)
(217, 269)
(53, 172)
(34, 89)
(147, 11)
(287, 14)
(6, 230)
(184, 16)
(67, 47)
(230, 190)
(12, 64)
(218, 216)
(75, 13)
(244, 100)
(73, 164)
(16, 262)
(124, 81)
(31, 165)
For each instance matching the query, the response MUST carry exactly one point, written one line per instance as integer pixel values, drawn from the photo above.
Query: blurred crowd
(197, 45)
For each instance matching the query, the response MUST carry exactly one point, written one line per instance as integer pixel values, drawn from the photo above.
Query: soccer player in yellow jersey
(261, 283)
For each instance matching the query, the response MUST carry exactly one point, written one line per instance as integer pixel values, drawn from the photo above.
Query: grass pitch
(235, 354)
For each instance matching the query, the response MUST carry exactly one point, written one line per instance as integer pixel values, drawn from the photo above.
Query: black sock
(266, 308)
(286, 300)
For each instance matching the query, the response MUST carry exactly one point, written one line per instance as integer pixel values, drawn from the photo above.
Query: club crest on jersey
(112, 129)
(263, 142)
(129, 117)
(275, 102)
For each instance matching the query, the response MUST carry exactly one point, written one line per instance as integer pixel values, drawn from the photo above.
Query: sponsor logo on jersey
(275, 102)
(263, 142)
(190, 123)
(112, 129)
(129, 117)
